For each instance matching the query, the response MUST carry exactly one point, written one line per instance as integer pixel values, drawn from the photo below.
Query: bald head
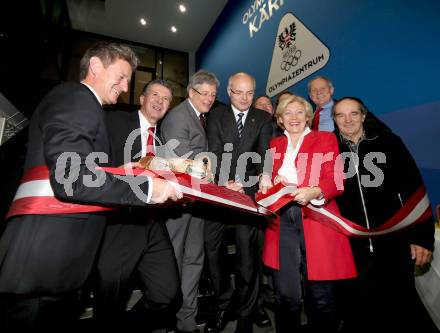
(241, 89)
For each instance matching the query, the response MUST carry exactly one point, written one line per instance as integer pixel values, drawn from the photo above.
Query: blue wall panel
(384, 52)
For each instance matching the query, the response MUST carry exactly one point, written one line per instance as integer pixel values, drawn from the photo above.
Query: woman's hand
(303, 195)
(234, 186)
(279, 179)
(264, 183)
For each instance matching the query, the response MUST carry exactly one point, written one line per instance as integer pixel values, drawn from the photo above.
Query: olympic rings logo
(291, 61)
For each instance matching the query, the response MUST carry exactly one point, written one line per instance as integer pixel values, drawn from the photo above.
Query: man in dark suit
(136, 248)
(243, 132)
(185, 123)
(46, 258)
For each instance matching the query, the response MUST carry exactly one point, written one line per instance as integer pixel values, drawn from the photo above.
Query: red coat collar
(280, 145)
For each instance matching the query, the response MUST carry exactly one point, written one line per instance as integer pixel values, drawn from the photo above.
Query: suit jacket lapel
(308, 142)
(195, 119)
(230, 126)
(134, 124)
(280, 148)
(250, 125)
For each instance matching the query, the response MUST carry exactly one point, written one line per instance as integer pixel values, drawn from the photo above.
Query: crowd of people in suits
(137, 231)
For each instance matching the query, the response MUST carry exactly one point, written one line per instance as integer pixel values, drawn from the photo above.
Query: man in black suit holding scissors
(136, 249)
(47, 251)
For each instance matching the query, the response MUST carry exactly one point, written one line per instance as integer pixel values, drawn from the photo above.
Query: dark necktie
(315, 122)
(202, 120)
(150, 141)
(240, 123)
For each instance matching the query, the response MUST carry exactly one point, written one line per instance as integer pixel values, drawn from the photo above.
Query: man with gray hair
(186, 124)
(321, 93)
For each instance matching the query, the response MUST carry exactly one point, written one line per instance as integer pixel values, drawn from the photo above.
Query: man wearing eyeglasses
(185, 123)
(248, 130)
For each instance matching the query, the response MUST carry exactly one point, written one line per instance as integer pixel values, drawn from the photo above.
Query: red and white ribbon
(194, 188)
(35, 196)
(415, 210)
(276, 197)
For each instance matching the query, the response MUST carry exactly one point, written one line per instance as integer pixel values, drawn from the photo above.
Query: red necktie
(150, 142)
(315, 122)
(202, 120)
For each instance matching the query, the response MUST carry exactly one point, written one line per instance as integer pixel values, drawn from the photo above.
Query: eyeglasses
(205, 93)
(242, 93)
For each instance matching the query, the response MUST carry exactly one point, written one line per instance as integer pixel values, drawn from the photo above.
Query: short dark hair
(108, 53)
(265, 96)
(284, 92)
(362, 108)
(164, 83)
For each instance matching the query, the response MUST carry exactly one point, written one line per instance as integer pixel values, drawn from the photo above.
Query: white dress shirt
(194, 108)
(236, 112)
(145, 125)
(288, 168)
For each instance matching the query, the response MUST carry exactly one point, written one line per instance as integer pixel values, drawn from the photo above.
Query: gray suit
(185, 228)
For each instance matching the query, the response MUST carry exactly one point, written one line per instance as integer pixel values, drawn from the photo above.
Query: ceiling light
(143, 21)
(182, 8)
(173, 29)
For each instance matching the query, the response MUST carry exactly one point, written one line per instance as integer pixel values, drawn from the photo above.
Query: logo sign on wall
(297, 54)
(260, 12)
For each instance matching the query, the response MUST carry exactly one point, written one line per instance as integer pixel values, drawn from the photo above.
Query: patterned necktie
(150, 142)
(240, 123)
(315, 122)
(202, 120)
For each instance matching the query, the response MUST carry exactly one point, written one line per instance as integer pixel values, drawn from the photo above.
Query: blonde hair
(289, 100)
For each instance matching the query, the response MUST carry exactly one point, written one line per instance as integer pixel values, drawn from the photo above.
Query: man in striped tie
(248, 130)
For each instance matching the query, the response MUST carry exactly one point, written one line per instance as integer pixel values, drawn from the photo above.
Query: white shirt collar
(194, 108)
(143, 121)
(306, 131)
(288, 168)
(236, 112)
(93, 91)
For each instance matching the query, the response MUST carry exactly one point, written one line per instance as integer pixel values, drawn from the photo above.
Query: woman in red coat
(305, 256)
